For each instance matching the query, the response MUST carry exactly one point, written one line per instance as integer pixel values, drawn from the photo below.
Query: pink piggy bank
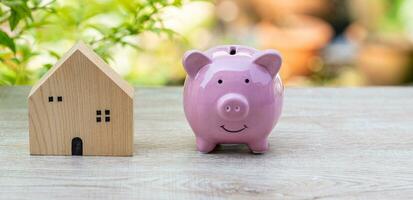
(232, 95)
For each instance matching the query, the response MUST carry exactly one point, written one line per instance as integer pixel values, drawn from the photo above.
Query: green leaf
(48, 66)
(36, 3)
(19, 10)
(5, 40)
(54, 54)
(7, 76)
(14, 19)
(177, 3)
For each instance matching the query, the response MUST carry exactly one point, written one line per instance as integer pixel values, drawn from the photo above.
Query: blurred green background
(323, 42)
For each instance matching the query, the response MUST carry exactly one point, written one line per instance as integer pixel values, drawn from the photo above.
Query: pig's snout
(233, 107)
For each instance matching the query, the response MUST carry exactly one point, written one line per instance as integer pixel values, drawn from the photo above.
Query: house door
(77, 147)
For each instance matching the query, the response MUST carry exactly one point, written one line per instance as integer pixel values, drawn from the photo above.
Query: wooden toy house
(81, 107)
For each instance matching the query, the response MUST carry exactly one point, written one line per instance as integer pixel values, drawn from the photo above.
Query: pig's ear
(193, 61)
(270, 60)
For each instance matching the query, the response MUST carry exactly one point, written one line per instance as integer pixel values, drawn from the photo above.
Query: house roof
(93, 57)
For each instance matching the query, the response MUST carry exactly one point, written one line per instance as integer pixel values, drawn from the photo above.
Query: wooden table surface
(329, 144)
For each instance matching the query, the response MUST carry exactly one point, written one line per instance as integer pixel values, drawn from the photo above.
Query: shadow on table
(232, 149)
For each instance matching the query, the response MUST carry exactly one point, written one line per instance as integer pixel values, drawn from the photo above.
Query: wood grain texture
(329, 144)
(96, 106)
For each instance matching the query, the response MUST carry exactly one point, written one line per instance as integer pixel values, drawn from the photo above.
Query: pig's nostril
(237, 109)
(232, 51)
(228, 108)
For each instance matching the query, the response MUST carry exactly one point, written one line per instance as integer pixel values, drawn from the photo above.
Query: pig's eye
(220, 81)
(247, 80)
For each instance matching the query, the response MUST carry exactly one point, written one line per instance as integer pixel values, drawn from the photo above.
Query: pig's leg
(204, 146)
(260, 146)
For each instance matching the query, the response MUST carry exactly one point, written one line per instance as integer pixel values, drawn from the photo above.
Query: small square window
(107, 119)
(98, 119)
(98, 112)
(50, 99)
(107, 112)
(60, 98)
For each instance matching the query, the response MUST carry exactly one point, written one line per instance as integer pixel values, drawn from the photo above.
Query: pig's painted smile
(234, 131)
